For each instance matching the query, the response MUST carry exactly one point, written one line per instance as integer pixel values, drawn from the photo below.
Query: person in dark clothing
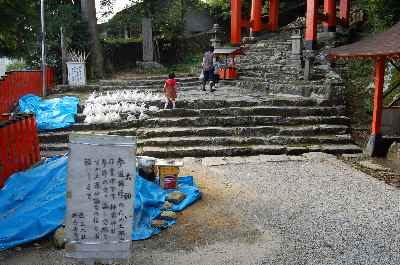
(208, 68)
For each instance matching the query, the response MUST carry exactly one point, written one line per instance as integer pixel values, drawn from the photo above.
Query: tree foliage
(20, 32)
(381, 13)
(18, 26)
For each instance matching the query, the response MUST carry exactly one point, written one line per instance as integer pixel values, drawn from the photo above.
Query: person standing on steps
(170, 91)
(208, 68)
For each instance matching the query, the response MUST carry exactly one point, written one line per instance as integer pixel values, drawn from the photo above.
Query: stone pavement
(289, 210)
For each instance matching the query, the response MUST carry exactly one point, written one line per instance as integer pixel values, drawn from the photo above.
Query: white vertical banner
(100, 197)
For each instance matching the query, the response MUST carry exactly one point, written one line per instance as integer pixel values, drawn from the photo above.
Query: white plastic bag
(201, 77)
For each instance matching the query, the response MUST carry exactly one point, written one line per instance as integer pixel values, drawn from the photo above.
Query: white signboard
(100, 197)
(76, 74)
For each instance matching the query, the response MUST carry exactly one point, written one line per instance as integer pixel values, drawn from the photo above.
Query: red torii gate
(382, 47)
(329, 19)
(256, 25)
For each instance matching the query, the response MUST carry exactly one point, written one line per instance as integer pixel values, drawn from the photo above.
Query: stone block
(176, 197)
(168, 215)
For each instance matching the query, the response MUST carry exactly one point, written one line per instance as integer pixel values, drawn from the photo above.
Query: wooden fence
(19, 83)
(19, 144)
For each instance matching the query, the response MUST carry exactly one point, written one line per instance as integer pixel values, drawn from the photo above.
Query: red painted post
(255, 16)
(310, 42)
(2, 96)
(12, 152)
(330, 12)
(28, 139)
(35, 138)
(23, 139)
(7, 95)
(4, 161)
(378, 95)
(345, 12)
(236, 21)
(273, 15)
(19, 157)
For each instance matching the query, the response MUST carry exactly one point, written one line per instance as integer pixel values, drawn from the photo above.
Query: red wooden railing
(19, 144)
(19, 83)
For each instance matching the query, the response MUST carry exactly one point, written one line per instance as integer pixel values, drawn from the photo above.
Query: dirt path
(313, 209)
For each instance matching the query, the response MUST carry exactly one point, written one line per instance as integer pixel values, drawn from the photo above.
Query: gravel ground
(313, 209)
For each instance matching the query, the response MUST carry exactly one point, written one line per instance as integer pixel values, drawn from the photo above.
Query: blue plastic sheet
(50, 114)
(33, 203)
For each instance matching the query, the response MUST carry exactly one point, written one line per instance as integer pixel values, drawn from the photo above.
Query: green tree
(18, 26)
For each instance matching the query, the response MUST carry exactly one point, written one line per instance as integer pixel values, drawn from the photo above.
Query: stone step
(145, 80)
(236, 102)
(44, 153)
(216, 150)
(128, 76)
(110, 88)
(226, 121)
(54, 147)
(226, 141)
(284, 111)
(248, 131)
(111, 82)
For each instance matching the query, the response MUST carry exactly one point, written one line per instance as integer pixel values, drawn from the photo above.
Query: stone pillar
(255, 18)
(148, 46)
(273, 15)
(309, 57)
(376, 145)
(126, 33)
(310, 42)
(297, 48)
(236, 21)
(345, 12)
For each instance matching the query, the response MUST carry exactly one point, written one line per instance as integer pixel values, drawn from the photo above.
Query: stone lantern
(296, 28)
(216, 32)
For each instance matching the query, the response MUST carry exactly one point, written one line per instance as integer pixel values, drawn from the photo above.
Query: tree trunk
(96, 58)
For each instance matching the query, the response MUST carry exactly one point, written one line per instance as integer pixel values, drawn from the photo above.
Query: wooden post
(345, 12)
(255, 18)
(330, 12)
(63, 57)
(378, 95)
(311, 25)
(236, 21)
(376, 145)
(273, 15)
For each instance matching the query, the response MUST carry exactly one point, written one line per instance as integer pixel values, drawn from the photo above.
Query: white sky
(119, 5)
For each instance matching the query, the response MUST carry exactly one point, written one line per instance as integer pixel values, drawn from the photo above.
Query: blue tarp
(50, 114)
(33, 203)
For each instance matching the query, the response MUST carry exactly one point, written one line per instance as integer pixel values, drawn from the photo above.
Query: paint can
(168, 172)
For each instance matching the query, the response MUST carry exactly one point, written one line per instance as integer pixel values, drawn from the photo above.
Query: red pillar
(236, 21)
(330, 12)
(310, 41)
(345, 12)
(378, 95)
(255, 16)
(273, 15)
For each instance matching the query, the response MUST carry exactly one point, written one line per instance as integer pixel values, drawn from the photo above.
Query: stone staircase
(269, 110)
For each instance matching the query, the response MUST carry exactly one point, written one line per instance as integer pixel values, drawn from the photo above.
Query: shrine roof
(228, 50)
(385, 44)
